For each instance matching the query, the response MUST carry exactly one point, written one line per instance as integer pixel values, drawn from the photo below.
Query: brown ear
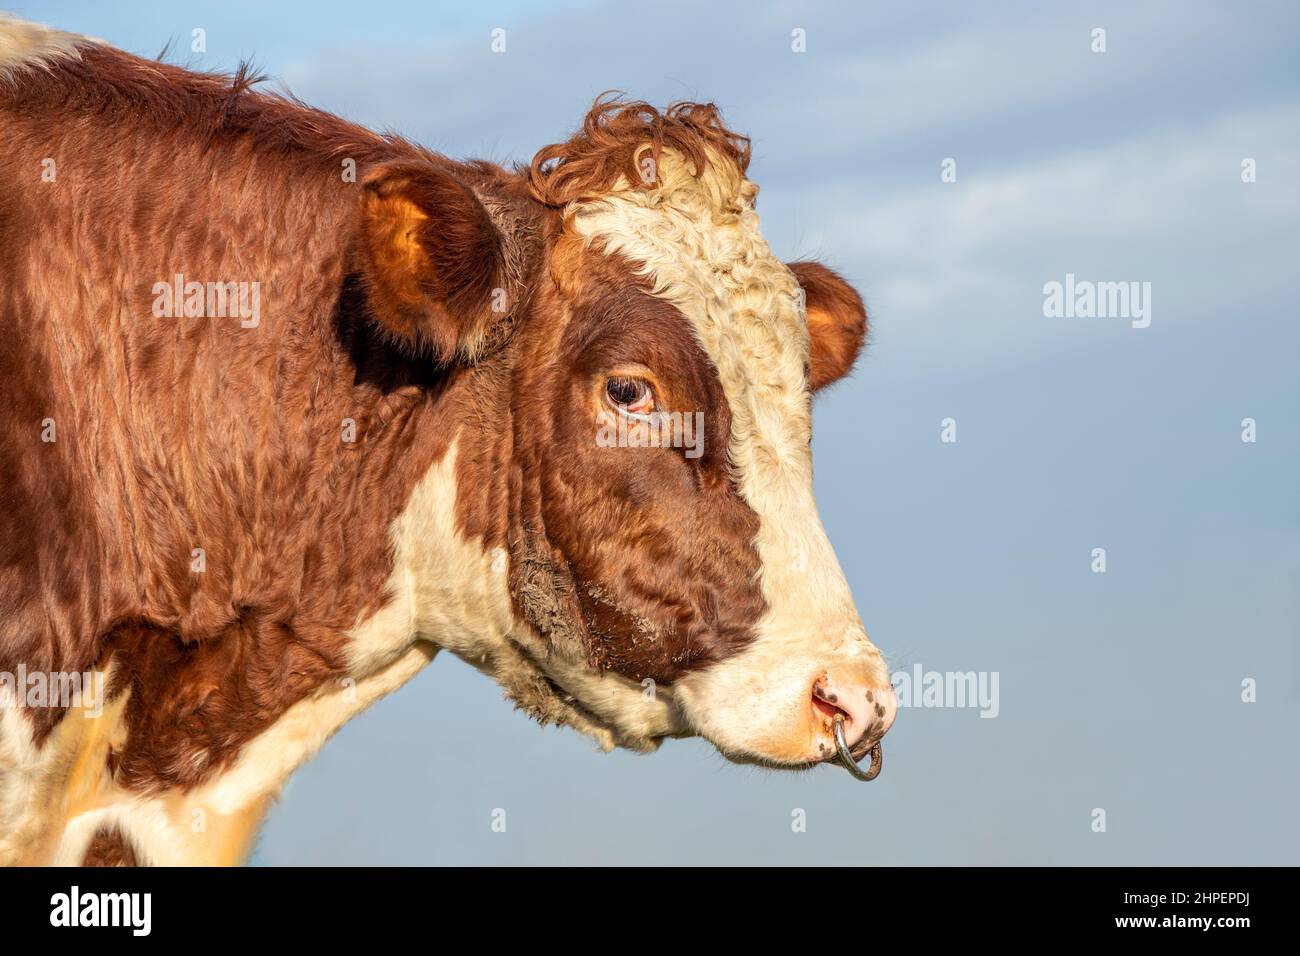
(430, 260)
(837, 322)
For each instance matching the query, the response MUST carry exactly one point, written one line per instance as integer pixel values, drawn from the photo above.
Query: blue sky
(1119, 691)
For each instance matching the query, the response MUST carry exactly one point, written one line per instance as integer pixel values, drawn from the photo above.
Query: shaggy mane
(613, 136)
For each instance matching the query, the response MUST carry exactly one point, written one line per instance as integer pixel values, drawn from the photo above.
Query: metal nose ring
(846, 755)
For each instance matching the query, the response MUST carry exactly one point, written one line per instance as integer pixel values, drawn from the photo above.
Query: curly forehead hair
(613, 136)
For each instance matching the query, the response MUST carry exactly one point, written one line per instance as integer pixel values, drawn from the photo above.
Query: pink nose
(868, 709)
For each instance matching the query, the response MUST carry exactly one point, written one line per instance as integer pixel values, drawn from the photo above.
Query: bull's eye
(632, 395)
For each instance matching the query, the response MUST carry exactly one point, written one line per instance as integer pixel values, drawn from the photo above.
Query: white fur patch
(21, 795)
(700, 244)
(25, 45)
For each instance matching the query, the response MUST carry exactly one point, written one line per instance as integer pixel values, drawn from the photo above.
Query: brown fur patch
(611, 145)
(109, 848)
(646, 554)
(183, 433)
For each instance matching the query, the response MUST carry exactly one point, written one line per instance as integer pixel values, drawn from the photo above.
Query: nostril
(829, 710)
(867, 710)
(826, 702)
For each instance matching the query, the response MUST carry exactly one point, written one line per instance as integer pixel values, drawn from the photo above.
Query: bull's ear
(430, 260)
(837, 322)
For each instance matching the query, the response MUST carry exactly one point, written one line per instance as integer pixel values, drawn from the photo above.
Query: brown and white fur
(474, 325)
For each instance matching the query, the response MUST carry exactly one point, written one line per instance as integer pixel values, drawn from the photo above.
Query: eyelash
(619, 384)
